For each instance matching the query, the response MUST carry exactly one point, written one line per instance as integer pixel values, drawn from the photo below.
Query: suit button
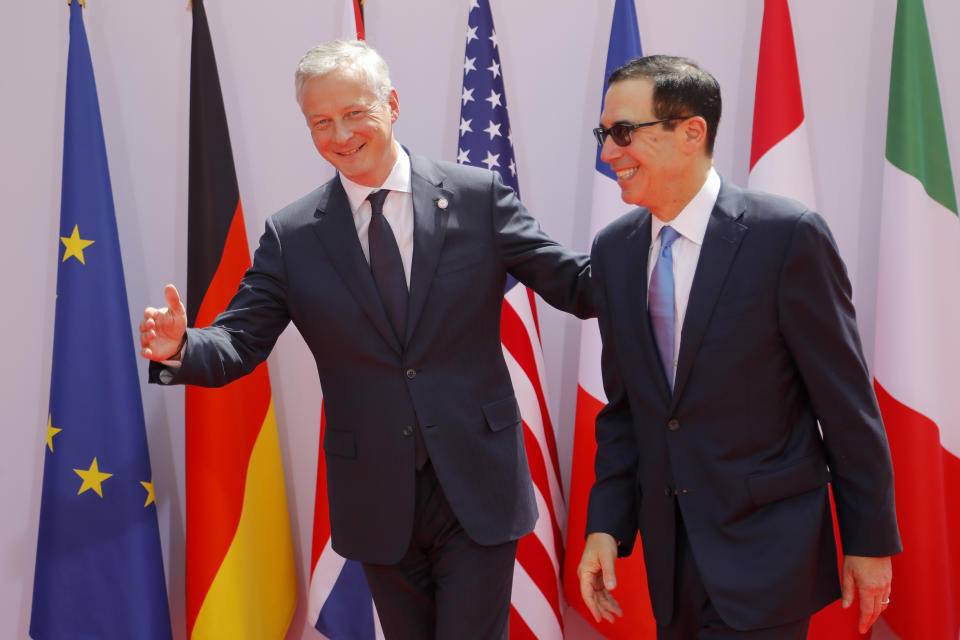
(408, 431)
(411, 373)
(673, 425)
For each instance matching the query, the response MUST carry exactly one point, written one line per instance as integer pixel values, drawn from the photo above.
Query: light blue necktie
(661, 301)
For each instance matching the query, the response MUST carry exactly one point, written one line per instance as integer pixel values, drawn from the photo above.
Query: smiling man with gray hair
(394, 272)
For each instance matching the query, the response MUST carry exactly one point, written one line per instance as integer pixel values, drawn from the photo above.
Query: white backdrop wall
(553, 54)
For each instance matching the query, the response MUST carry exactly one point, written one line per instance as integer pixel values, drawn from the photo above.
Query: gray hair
(345, 54)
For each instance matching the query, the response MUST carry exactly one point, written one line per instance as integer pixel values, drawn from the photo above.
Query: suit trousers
(446, 586)
(695, 617)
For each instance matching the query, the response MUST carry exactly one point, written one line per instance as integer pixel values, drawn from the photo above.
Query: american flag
(485, 141)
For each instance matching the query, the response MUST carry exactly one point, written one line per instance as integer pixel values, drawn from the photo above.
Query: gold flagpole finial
(189, 5)
(83, 3)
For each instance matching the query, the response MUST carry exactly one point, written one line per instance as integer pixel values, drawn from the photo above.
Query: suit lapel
(720, 245)
(429, 227)
(338, 234)
(637, 256)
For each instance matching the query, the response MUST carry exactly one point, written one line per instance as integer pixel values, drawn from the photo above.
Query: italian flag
(918, 339)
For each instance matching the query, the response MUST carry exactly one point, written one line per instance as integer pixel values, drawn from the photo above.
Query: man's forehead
(339, 88)
(629, 101)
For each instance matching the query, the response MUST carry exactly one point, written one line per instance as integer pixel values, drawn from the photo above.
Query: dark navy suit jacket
(448, 375)
(769, 347)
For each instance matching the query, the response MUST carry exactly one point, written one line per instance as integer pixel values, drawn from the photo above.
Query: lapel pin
(442, 203)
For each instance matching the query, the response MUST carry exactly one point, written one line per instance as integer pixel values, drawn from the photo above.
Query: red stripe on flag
(518, 628)
(217, 459)
(778, 106)
(358, 18)
(538, 471)
(533, 311)
(516, 340)
(321, 509)
(631, 592)
(536, 562)
(925, 601)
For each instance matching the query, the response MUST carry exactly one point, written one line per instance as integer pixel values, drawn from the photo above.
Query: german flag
(241, 580)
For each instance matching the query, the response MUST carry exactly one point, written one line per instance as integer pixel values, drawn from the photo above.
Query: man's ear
(394, 102)
(694, 133)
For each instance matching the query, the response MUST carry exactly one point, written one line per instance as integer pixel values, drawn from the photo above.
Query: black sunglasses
(620, 132)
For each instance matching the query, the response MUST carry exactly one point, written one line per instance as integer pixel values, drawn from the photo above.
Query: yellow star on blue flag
(75, 245)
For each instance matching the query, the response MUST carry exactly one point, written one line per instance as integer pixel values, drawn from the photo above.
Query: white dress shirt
(397, 208)
(691, 224)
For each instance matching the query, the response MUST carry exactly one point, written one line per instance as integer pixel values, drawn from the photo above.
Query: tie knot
(668, 235)
(376, 199)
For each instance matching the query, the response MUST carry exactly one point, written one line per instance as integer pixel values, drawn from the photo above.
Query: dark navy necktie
(387, 266)
(661, 301)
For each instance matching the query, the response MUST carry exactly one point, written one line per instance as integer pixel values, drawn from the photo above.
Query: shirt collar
(692, 220)
(398, 180)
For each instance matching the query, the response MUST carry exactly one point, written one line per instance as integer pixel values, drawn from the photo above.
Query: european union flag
(99, 571)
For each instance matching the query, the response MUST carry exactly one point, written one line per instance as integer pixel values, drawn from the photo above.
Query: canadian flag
(780, 163)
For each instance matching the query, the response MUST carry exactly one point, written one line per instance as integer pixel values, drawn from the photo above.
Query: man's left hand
(871, 578)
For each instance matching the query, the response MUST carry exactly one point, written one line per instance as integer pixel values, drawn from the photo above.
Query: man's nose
(341, 132)
(610, 151)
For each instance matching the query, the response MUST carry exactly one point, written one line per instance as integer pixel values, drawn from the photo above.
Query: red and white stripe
(536, 609)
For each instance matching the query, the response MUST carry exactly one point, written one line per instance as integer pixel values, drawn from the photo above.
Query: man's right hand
(162, 330)
(597, 578)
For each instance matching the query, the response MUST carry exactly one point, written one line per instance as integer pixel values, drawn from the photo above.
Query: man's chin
(629, 197)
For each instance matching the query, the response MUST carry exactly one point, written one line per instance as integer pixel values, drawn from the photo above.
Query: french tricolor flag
(632, 593)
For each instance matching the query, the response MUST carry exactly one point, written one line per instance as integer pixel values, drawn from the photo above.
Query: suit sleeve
(613, 504)
(820, 328)
(558, 275)
(241, 337)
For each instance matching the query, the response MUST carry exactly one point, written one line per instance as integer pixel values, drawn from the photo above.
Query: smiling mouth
(352, 152)
(626, 174)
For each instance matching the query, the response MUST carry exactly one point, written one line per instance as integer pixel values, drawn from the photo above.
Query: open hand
(162, 330)
(597, 578)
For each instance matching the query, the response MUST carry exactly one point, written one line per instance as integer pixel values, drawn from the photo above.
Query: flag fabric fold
(99, 569)
(485, 140)
(241, 577)
(917, 342)
(607, 205)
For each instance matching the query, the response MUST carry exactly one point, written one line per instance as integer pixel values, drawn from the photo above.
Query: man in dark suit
(399, 299)
(728, 334)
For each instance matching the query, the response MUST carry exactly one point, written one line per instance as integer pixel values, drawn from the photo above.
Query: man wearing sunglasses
(728, 335)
